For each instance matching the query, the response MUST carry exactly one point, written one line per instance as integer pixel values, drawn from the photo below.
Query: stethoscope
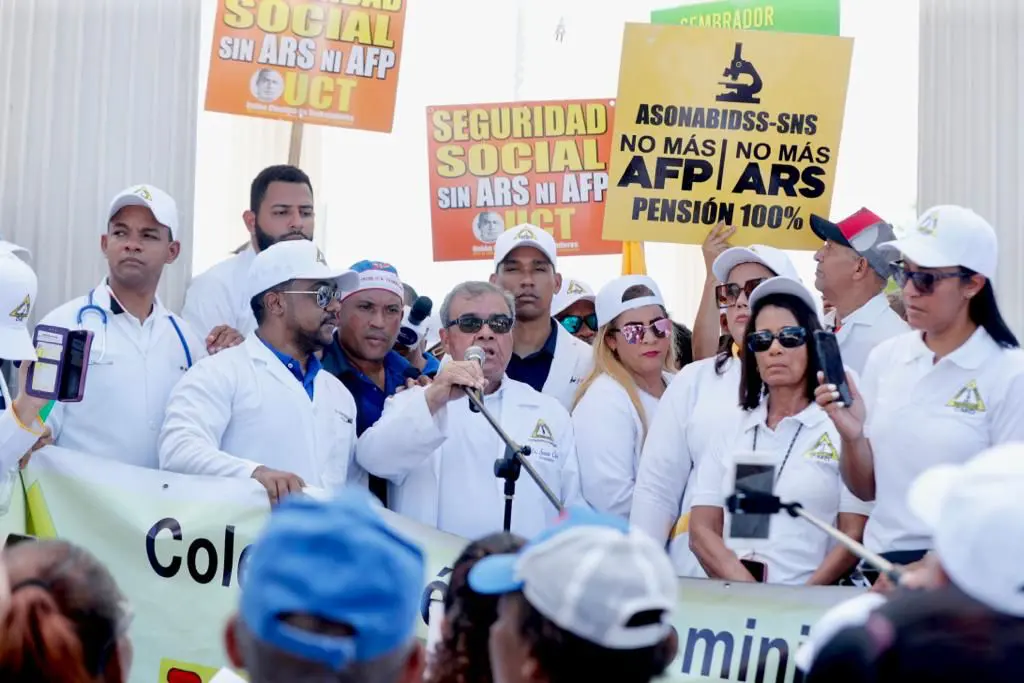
(91, 307)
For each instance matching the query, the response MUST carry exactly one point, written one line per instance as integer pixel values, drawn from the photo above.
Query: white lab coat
(132, 369)
(440, 467)
(570, 366)
(609, 440)
(219, 296)
(15, 439)
(242, 408)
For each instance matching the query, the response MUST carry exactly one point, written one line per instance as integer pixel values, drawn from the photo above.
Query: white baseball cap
(18, 288)
(771, 258)
(783, 285)
(591, 579)
(975, 512)
(377, 275)
(947, 236)
(295, 260)
(15, 249)
(524, 235)
(164, 209)
(610, 299)
(571, 292)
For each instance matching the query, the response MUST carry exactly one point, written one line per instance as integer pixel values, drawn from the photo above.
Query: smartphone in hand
(831, 362)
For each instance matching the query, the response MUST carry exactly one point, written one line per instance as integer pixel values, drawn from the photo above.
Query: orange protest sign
(324, 62)
(493, 166)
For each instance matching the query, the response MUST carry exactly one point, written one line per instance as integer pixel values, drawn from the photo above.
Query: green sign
(785, 16)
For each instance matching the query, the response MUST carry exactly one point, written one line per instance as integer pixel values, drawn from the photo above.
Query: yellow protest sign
(724, 125)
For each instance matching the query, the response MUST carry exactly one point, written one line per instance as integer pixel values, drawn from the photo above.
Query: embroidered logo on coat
(542, 432)
(968, 399)
(823, 450)
(21, 311)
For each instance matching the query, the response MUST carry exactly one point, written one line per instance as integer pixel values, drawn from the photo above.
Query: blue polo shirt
(312, 367)
(534, 369)
(368, 396)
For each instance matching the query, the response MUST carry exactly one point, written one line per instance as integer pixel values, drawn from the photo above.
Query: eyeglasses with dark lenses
(325, 294)
(789, 338)
(471, 324)
(727, 294)
(634, 333)
(924, 280)
(573, 323)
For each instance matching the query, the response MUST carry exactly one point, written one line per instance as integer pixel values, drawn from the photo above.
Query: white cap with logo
(18, 288)
(571, 292)
(164, 209)
(771, 258)
(524, 235)
(295, 260)
(610, 303)
(947, 236)
(784, 285)
(975, 512)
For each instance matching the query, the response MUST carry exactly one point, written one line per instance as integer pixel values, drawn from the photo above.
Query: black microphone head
(420, 310)
(475, 353)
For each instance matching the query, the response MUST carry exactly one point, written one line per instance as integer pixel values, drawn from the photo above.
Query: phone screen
(755, 479)
(831, 362)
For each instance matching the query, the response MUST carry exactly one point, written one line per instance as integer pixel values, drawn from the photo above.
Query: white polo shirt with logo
(810, 476)
(867, 327)
(921, 414)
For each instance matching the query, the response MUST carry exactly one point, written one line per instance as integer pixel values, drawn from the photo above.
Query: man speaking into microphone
(438, 456)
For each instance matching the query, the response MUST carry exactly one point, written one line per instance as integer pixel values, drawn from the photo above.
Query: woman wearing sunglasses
(67, 621)
(633, 355)
(941, 393)
(782, 424)
(698, 407)
(573, 308)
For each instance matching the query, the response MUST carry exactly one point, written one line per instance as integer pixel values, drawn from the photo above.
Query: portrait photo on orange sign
(494, 166)
(322, 62)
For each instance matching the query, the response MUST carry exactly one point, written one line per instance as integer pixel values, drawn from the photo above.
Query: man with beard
(544, 354)
(139, 349)
(280, 208)
(263, 409)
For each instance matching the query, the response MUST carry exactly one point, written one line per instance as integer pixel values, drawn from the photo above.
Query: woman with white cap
(573, 307)
(700, 403)
(633, 353)
(941, 393)
(783, 426)
(20, 426)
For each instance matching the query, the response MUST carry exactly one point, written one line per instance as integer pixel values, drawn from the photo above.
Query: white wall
(95, 96)
(972, 105)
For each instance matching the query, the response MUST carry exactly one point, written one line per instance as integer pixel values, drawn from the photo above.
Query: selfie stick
(759, 503)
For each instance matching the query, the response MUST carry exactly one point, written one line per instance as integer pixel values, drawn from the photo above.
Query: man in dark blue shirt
(361, 355)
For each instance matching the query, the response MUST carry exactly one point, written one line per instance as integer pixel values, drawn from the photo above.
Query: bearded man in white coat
(264, 409)
(438, 456)
(544, 354)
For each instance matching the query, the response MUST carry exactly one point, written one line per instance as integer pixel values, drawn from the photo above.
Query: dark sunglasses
(471, 324)
(727, 294)
(325, 294)
(573, 323)
(924, 281)
(789, 338)
(634, 333)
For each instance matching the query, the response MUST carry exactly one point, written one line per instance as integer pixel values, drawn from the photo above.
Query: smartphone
(58, 374)
(752, 473)
(831, 363)
(757, 569)
(15, 539)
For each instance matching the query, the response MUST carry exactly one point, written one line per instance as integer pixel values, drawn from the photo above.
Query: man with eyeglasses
(263, 409)
(438, 456)
(852, 274)
(573, 307)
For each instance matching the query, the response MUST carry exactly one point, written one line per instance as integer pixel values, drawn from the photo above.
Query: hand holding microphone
(455, 377)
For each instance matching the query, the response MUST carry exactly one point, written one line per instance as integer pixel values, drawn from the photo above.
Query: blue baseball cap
(590, 575)
(340, 562)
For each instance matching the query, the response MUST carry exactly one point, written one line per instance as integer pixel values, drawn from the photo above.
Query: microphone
(475, 353)
(413, 329)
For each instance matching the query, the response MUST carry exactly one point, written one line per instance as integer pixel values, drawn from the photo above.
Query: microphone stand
(508, 468)
(758, 503)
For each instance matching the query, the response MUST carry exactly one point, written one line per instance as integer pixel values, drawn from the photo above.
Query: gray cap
(864, 232)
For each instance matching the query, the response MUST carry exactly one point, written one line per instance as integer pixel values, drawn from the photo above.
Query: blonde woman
(633, 357)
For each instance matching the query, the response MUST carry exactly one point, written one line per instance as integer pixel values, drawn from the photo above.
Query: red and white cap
(864, 232)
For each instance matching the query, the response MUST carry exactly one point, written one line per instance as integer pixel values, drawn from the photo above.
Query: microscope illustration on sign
(737, 91)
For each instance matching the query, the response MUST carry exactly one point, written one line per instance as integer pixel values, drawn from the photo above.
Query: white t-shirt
(609, 439)
(696, 409)
(866, 328)
(805, 450)
(921, 414)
